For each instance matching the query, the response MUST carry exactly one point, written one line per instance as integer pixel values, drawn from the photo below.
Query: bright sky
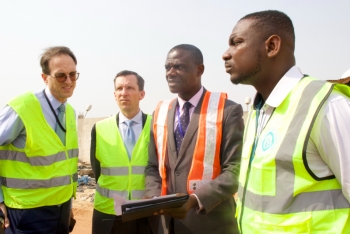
(110, 36)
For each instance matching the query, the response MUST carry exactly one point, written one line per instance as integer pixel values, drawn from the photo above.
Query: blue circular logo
(268, 141)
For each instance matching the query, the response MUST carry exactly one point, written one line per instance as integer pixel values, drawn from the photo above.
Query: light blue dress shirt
(136, 127)
(12, 128)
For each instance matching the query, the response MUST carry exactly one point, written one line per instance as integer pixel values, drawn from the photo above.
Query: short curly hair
(273, 22)
(195, 52)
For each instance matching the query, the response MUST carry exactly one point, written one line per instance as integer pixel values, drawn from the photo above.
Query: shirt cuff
(199, 207)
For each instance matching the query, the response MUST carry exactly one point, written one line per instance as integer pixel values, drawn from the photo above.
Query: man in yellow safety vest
(295, 164)
(39, 150)
(119, 154)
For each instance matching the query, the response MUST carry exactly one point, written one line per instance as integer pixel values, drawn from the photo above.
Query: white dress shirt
(328, 151)
(194, 101)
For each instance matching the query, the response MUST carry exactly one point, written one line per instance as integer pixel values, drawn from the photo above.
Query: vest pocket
(288, 223)
(262, 180)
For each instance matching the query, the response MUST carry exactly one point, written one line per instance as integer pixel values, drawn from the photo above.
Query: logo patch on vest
(72, 126)
(268, 141)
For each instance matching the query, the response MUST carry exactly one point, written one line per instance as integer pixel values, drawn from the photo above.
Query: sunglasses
(62, 77)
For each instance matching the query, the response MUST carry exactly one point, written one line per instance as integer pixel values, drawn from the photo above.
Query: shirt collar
(54, 102)
(137, 118)
(282, 89)
(194, 100)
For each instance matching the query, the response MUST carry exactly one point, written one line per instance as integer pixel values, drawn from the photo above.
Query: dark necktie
(61, 117)
(129, 137)
(182, 125)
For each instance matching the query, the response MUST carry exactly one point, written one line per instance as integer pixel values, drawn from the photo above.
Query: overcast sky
(110, 36)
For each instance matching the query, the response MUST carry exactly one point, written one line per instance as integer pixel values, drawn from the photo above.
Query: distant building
(81, 115)
(84, 136)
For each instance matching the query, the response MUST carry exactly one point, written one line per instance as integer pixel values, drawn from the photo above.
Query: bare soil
(82, 210)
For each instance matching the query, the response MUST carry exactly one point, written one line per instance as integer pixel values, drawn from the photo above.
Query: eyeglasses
(62, 77)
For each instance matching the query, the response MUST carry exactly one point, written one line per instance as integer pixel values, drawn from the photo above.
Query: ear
(142, 94)
(273, 46)
(45, 78)
(200, 69)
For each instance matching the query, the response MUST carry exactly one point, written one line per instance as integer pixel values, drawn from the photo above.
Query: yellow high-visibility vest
(119, 175)
(44, 173)
(277, 194)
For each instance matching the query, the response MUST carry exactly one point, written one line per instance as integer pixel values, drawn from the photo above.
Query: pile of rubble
(86, 183)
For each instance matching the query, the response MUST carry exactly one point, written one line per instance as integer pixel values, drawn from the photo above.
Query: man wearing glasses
(39, 151)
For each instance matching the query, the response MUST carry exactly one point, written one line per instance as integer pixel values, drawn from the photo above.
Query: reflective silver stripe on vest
(112, 171)
(138, 194)
(109, 192)
(211, 135)
(35, 184)
(120, 171)
(37, 160)
(73, 153)
(250, 113)
(160, 132)
(138, 170)
(284, 201)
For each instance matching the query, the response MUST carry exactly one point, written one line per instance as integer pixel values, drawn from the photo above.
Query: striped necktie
(183, 123)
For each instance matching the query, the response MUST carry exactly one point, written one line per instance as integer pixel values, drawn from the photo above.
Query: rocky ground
(83, 205)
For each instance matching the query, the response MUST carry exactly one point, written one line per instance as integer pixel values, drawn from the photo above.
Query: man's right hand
(180, 212)
(4, 212)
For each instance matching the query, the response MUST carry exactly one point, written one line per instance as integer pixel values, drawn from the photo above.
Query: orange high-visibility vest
(206, 157)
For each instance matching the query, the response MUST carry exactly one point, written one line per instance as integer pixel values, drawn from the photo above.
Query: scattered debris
(87, 172)
(86, 183)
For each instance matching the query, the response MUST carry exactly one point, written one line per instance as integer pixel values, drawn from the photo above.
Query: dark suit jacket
(218, 215)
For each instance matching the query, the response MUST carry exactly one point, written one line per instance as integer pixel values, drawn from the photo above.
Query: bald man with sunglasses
(39, 151)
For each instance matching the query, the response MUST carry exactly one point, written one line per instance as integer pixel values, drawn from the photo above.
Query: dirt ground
(82, 210)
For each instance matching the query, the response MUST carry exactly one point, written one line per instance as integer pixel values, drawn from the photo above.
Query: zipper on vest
(70, 170)
(129, 179)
